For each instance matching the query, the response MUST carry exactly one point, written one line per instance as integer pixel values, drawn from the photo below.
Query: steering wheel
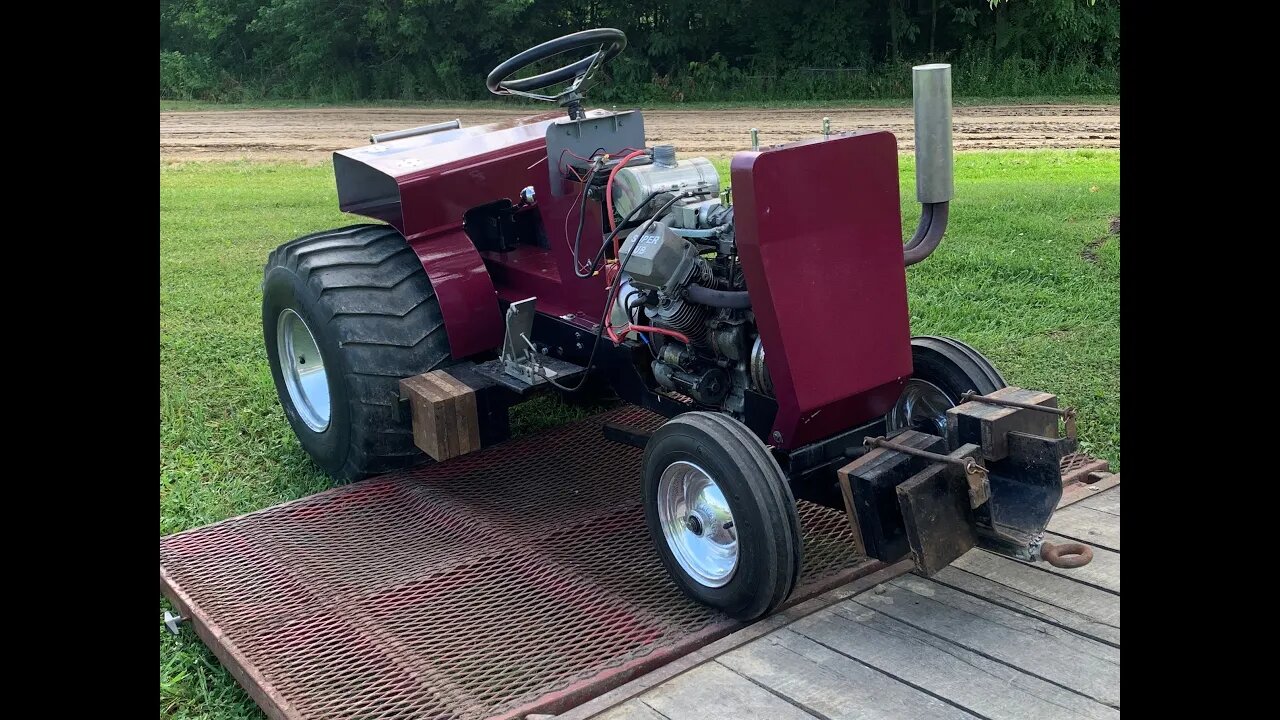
(608, 43)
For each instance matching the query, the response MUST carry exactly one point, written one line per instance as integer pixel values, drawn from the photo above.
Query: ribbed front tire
(360, 297)
(721, 514)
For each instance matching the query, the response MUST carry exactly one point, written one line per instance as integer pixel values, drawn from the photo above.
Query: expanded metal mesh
(515, 578)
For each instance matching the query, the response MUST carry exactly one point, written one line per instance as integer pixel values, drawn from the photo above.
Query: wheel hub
(697, 523)
(694, 523)
(302, 368)
(922, 406)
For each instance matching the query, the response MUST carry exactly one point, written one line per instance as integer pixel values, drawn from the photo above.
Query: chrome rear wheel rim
(302, 368)
(922, 406)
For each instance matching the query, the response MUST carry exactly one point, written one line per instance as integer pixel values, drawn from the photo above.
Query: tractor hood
(371, 178)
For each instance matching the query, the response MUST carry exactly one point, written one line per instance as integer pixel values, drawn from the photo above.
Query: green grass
(1028, 274)
(194, 105)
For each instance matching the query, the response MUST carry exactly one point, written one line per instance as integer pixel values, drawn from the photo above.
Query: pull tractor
(559, 253)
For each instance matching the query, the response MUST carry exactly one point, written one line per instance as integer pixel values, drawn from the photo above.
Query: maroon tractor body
(766, 317)
(793, 246)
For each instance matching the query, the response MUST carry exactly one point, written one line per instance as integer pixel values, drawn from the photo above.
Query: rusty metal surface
(963, 462)
(1077, 467)
(1083, 476)
(515, 580)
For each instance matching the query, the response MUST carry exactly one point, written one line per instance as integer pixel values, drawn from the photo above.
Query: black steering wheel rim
(498, 83)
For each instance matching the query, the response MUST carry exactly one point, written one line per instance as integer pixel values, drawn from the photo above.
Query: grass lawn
(1029, 274)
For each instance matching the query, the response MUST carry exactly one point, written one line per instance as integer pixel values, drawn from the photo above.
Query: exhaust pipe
(935, 181)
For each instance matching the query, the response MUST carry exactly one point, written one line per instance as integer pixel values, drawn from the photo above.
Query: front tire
(346, 314)
(721, 514)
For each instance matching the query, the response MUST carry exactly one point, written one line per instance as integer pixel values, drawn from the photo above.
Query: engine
(681, 273)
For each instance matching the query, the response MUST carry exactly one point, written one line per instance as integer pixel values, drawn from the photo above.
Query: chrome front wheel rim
(302, 367)
(697, 524)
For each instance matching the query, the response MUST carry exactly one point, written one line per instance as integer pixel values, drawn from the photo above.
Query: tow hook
(1066, 555)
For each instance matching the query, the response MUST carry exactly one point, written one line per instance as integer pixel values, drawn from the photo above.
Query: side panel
(372, 178)
(819, 231)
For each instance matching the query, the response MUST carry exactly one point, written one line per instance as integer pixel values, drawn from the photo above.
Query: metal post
(172, 621)
(1067, 414)
(755, 139)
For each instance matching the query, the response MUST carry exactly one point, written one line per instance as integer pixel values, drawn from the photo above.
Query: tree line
(678, 50)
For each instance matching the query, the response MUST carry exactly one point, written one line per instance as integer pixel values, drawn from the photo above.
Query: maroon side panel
(548, 274)
(819, 232)
(421, 183)
(465, 279)
(439, 196)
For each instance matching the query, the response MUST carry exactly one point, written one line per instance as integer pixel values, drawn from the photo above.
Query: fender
(468, 301)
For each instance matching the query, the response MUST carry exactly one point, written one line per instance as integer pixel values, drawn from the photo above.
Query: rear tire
(943, 370)
(359, 296)
(767, 553)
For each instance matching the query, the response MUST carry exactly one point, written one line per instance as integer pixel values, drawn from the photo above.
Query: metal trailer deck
(517, 580)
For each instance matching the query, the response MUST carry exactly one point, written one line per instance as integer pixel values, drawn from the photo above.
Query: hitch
(993, 482)
(1066, 555)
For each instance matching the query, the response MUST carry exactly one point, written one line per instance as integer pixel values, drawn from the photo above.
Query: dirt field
(314, 134)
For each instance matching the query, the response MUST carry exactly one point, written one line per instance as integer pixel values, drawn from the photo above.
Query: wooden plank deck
(988, 638)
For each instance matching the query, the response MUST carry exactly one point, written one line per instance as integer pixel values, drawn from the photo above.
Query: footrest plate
(561, 370)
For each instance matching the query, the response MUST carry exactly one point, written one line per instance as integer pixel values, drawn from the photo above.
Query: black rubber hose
(734, 299)
(937, 216)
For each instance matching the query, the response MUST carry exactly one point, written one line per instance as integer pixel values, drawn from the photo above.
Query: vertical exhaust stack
(935, 164)
(931, 91)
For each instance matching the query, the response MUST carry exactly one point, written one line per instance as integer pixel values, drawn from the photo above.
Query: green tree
(678, 49)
